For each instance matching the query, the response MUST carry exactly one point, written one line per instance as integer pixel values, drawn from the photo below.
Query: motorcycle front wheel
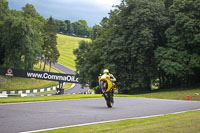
(103, 86)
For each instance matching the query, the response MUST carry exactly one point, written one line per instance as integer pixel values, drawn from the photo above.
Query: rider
(106, 72)
(112, 78)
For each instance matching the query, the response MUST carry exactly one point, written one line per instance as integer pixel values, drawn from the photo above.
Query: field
(66, 45)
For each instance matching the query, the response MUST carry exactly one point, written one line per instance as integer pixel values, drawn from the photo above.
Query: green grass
(177, 94)
(16, 83)
(174, 123)
(66, 45)
(46, 98)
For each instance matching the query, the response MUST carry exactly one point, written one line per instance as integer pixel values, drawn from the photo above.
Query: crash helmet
(105, 71)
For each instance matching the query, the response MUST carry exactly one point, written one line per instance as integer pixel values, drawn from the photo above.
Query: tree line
(26, 37)
(78, 28)
(144, 42)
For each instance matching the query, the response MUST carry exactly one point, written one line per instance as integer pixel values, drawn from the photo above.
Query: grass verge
(46, 98)
(173, 123)
(176, 94)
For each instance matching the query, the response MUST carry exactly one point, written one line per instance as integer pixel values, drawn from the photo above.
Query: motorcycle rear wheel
(109, 104)
(107, 95)
(109, 100)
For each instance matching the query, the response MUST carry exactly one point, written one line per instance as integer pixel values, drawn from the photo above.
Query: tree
(81, 28)
(61, 26)
(50, 51)
(168, 3)
(77, 28)
(30, 12)
(21, 39)
(179, 60)
(4, 9)
(4, 12)
(94, 32)
(82, 61)
(134, 40)
(21, 42)
(69, 27)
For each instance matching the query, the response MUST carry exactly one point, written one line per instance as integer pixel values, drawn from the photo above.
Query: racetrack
(21, 117)
(77, 88)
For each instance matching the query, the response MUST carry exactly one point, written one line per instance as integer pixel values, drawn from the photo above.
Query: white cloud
(105, 3)
(90, 10)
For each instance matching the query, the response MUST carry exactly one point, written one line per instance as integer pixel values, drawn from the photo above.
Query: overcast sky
(90, 10)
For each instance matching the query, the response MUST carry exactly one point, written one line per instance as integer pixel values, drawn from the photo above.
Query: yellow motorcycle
(107, 88)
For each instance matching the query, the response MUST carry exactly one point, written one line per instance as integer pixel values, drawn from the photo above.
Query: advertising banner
(39, 75)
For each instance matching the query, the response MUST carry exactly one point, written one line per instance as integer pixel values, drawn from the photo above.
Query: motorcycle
(107, 88)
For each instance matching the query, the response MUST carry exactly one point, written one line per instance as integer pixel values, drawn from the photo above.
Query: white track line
(78, 125)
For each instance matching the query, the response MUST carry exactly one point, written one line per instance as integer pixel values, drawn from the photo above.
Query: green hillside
(66, 45)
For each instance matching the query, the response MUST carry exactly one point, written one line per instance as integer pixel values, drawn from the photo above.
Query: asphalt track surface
(77, 88)
(22, 117)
